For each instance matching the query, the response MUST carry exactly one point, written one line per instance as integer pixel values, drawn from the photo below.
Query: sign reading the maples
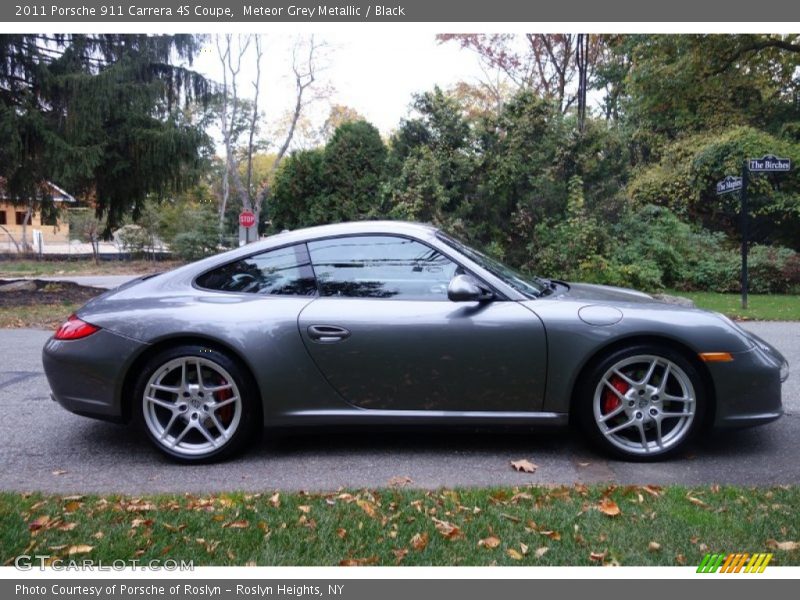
(728, 185)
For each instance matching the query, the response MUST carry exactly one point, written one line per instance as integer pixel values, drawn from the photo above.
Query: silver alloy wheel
(644, 404)
(192, 406)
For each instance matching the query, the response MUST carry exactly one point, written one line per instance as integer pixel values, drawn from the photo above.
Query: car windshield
(532, 287)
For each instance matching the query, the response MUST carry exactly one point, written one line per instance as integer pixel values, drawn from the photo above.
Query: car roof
(422, 230)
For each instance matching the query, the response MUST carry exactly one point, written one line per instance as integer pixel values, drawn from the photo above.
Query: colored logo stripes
(734, 563)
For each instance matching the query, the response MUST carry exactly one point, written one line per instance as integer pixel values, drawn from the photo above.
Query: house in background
(54, 227)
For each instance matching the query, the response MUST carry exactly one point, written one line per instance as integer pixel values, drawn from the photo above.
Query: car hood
(606, 293)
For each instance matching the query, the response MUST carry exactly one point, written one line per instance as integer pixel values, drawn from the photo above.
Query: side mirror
(464, 288)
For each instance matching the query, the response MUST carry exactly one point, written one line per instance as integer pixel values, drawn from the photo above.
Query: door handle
(327, 334)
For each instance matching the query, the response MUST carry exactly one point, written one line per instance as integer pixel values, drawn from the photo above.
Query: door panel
(428, 355)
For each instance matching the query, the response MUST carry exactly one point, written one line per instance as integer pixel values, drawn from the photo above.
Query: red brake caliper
(610, 399)
(226, 412)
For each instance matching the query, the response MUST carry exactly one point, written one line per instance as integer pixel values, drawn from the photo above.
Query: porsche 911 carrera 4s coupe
(392, 323)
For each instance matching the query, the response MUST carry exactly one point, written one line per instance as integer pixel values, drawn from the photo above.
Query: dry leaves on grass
(654, 546)
(598, 556)
(514, 554)
(400, 481)
(237, 525)
(490, 542)
(420, 541)
(540, 552)
(696, 501)
(524, 466)
(785, 546)
(609, 508)
(368, 507)
(447, 529)
(79, 549)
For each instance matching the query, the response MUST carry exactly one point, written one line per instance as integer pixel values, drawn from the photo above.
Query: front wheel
(196, 404)
(642, 403)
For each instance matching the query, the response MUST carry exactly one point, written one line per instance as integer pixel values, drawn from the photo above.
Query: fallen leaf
(419, 541)
(38, 523)
(654, 546)
(680, 559)
(79, 549)
(608, 507)
(540, 552)
(523, 548)
(785, 546)
(400, 554)
(72, 498)
(367, 506)
(67, 526)
(72, 506)
(553, 535)
(524, 466)
(304, 508)
(598, 556)
(237, 525)
(99, 535)
(139, 522)
(59, 472)
(489, 542)
(653, 490)
(696, 501)
(275, 500)
(513, 554)
(447, 529)
(341, 532)
(400, 481)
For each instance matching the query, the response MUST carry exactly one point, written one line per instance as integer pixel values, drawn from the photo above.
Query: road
(46, 448)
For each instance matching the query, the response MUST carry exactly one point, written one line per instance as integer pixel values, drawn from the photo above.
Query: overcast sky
(375, 73)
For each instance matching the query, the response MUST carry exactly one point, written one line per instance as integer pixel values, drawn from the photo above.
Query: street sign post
(247, 227)
(769, 163)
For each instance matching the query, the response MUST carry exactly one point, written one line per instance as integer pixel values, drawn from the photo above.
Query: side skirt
(357, 416)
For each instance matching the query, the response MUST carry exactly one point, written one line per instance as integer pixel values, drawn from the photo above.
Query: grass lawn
(505, 526)
(41, 316)
(760, 307)
(11, 269)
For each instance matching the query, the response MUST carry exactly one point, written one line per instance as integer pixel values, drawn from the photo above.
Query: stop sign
(247, 218)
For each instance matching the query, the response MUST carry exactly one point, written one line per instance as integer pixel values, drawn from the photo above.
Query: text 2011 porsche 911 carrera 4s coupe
(391, 323)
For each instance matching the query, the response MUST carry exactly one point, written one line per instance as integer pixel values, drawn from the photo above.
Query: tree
(232, 52)
(101, 115)
(548, 64)
(353, 167)
(299, 185)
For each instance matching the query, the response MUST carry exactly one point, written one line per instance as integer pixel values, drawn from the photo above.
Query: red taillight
(75, 329)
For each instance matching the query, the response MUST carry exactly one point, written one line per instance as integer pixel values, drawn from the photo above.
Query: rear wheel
(197, 404)
(642, 403)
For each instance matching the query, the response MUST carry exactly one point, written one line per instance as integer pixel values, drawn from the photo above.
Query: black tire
(636, 404)
(249, 422)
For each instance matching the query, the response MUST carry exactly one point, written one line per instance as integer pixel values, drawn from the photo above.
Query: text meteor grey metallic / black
(391, 323)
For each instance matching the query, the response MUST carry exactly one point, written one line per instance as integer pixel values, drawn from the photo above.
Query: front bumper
(86, 376)
(748, 389)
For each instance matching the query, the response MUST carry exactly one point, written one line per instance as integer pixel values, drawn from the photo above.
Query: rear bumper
(86, 376)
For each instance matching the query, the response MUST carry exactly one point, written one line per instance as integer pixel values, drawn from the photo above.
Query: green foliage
(299, 185)
(101, 115)
(352, 167)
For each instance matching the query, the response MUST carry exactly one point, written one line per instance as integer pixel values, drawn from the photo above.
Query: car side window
(375, 266)
(282, 272)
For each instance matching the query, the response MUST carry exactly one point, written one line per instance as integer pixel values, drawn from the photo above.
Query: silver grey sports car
(387, 323)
